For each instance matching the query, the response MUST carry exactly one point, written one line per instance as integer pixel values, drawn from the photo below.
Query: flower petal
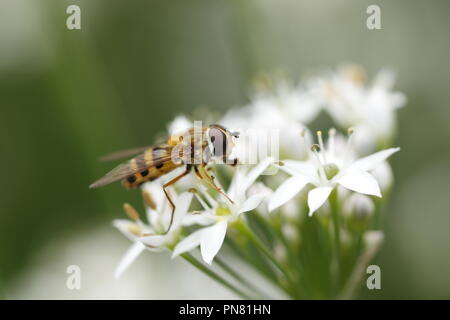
(371, 162)
(182, 206)
(179, 125)
(287, 190)
(359, 181)
(304, 168)
(251, 203)
(254, 173)
(127, 259)
(129, 229)
(203, 219)
(212, 240)
(154, 241)
(317, 197)
(188, 243)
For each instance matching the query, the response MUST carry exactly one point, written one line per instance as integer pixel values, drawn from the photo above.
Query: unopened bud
(358, 209)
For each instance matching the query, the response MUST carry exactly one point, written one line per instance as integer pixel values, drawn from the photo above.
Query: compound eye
(218, 141)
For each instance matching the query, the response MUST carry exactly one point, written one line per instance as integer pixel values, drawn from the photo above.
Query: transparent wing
(122, 154)
(160, 154)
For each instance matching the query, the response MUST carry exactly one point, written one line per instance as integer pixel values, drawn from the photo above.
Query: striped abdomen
(150, 165)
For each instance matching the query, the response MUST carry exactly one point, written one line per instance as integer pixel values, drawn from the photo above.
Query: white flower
(179, 125)
(295, 102)
(217, 214)
(151, 236)
(369, 109)
(269, 123)
(327, 168)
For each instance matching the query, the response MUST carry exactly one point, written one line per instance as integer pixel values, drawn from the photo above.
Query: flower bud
(358, 209)
(373, 239)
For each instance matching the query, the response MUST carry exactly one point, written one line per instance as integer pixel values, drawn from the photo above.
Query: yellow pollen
(135, 229)
(131, 212)
(148, 200)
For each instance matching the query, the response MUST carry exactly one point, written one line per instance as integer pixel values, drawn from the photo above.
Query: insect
(194, 149)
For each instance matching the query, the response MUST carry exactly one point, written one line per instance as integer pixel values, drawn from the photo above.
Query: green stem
(238, 277)
(254, 239)
(337, 237)
(293, 262)
(193, 261)
(354, 281)
(256, 264)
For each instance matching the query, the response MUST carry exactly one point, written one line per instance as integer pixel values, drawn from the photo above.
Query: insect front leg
(209, 180)
(229, 161)
(172, 204)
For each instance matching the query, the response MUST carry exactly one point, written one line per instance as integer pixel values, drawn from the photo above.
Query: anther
(332, 132)
(148, 200)
(315, 148)
(192, 190)
(280, 163)
(131, 212)
(350, 131)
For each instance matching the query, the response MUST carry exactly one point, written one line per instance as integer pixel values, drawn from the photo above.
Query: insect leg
(210, 181)
(167, 184)
(229, 161)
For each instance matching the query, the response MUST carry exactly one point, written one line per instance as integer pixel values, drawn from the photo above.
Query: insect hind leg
(172, 204)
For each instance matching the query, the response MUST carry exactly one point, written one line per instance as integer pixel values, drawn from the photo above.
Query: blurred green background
(67, 97)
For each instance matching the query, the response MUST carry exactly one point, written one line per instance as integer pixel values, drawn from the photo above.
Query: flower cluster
(307, 216)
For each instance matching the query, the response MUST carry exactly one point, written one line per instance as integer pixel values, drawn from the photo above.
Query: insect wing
(152, 157)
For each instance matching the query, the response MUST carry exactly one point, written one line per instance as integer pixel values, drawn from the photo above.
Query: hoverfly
(194, 149)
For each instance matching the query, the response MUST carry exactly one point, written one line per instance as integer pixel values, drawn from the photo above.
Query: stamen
(305, 143)
(315, 148)
(208, 197)
(197, 196)
(331, 140)
(199, 199)
(348, 152)
(131, 212)
(148, 200)
(322, 146)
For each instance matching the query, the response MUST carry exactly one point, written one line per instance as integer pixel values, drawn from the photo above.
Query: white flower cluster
(347, 172)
